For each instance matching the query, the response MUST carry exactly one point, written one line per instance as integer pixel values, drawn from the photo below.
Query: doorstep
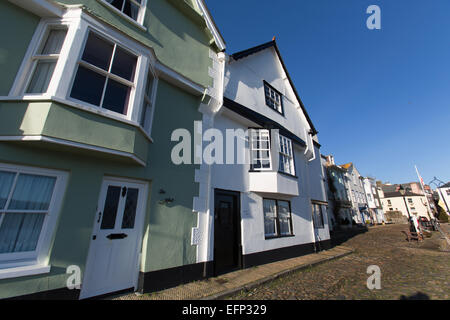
(225, 285)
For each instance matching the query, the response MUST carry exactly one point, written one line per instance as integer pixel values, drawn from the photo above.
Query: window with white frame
(260, 149)
(286, 156)
(317, 215)
(29, 200)
(147, 107)
(105, 75)
(81, 62)
(131, 8)
(44, 60)
(277, 218)
(273, 98)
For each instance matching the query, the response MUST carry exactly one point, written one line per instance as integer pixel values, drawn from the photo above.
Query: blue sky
(379, 98)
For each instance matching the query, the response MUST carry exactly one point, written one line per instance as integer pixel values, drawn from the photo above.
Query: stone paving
(416, 270)
(230, 283)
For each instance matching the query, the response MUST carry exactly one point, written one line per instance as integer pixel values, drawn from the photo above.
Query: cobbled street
(408, 270)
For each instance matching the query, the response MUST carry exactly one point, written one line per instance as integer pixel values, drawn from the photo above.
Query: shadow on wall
(338, 237)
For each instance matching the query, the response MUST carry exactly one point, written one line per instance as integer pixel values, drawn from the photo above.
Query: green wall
(13, 45)
(179, 41)
(169, 227)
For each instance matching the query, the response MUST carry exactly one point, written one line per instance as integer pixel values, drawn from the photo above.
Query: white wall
(235, 178)
(398, 204)
(444, 194)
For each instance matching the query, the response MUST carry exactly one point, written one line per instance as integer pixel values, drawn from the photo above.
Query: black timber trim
(245, 53)
(172, 277)
(318, 145)
(263, 121)
(55, 294)
(269, 256)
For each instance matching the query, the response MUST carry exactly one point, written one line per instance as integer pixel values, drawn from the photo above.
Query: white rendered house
(267, 201)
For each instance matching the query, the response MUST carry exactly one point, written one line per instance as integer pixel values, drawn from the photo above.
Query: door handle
(114, 236)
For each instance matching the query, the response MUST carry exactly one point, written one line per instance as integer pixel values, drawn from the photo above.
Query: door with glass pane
(113, 258)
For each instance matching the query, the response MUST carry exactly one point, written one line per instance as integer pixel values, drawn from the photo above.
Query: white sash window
(286, 156)
(29, 203)
(260, 149)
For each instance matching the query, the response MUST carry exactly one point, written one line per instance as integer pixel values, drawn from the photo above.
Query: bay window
(277, 218)
(86, 64)
(260, 149)
(286, 156)
(29, 204)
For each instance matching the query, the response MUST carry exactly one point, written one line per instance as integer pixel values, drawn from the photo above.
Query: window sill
(23, 271)
(280, 237)
(288, 174)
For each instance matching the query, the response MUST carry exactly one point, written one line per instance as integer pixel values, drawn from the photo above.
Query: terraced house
(90, 93)
(267, 202)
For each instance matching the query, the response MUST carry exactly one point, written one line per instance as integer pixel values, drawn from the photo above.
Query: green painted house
(90, 93)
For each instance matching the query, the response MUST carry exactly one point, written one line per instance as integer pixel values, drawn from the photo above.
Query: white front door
(113, 259)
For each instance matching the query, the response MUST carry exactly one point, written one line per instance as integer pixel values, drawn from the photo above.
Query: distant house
(360, 212)
(339, 204)
(444, 195)
(372, 196)
(411, 204)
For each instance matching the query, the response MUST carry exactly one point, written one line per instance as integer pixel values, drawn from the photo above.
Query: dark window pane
(116, 97)
(88, 86)
(131, 10)
(110, 209)
(6, 181)
(129, 214)
(116, 3)
(124, 64)
(98, 51)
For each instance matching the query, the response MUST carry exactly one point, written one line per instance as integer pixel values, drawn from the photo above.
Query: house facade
(355, 187)
(373, 200)
(266, 197)
(339, 203)
(411, 204)
(444, 196)
(90, 95)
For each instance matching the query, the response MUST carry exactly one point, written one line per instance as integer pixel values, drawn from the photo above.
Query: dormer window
(273, 98)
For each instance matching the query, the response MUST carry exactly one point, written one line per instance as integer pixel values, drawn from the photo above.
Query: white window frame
(287, 154)
(40, 255)
(141, 15)
(260, 133)
(277, 233)
(78, 25)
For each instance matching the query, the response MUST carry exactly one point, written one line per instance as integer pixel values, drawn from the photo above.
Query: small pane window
(273, 98)
(147, 108)
(260, 149)
(286, 156)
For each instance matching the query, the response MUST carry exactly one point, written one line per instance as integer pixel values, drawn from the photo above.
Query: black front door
(227, 238)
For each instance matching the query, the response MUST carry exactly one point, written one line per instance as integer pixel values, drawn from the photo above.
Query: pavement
(239, 281)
